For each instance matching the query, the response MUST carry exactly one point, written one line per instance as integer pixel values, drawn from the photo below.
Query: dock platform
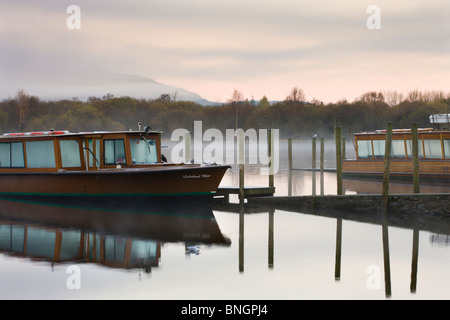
(419, 204)
(224, 192)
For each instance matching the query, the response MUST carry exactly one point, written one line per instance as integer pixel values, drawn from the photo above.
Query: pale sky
(211, 47)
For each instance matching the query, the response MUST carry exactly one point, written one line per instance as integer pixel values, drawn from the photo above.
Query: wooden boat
(92, 166)
(434, 156)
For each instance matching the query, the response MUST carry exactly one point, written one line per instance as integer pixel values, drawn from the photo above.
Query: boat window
(115, 249)
(93, 161)
(41, 242)
(143, 250)
(409, 148)
(70, 153)
(379, 147)
(364, 149)
(433, 148)
(40, 154)
(70, 244)
(398, 149)
(12, 238)
(447, 148)
(114, 150)
(143, 151)
(11, 155)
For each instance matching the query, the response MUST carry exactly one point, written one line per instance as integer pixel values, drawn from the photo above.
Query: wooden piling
(416, 183)
(337, 135)
(384, 207)
(387, 167)
(322, 157)
(322, 153)
(290, 153)
(313, 153)
(313, 166)
(415, 151)
(270, 149)
(241, 167)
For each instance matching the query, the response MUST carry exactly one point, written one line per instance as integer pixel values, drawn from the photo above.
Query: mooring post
(385, 201)
(322, 156)
(313, 165)
(241, 167)
(415, 151)
(314, 153)
(416, 182)
(270, 149)
(337, 135)
(387, 166)
(290, 153)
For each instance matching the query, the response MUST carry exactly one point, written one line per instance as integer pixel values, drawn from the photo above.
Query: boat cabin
(433, 144)
(51, 151)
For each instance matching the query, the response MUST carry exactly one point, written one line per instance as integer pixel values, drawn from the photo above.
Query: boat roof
(394, 131)
(68, 133)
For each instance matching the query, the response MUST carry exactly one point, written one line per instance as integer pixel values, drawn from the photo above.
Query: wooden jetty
(418, 204)
(415, 204)
(225, 192)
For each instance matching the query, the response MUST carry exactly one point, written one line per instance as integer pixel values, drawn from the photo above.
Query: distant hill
(82, 83)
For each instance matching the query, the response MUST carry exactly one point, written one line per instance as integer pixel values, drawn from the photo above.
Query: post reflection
(386, 257)
(241, 237)
(415, 260)
(337, 268)
(271, 238)
(384, 221)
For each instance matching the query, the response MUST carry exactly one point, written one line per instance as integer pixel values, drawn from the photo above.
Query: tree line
(294, 117)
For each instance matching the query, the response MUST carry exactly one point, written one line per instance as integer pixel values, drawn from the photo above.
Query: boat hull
(433, 172)
(161, 184)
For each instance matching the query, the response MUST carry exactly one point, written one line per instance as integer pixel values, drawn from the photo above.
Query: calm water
(259, 255)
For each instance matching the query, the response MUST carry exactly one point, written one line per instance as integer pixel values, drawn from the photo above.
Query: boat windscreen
(143, 151)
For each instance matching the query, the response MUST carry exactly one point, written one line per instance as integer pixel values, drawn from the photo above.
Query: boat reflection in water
(113, 238)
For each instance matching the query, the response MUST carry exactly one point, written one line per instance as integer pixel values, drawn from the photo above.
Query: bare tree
(393, 97)
(414, 95)
(296, 95)
(22, 106)
(236, 99)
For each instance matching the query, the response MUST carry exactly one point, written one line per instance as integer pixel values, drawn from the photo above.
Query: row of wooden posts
(387, 159)
(340, 154)
(241, 160)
